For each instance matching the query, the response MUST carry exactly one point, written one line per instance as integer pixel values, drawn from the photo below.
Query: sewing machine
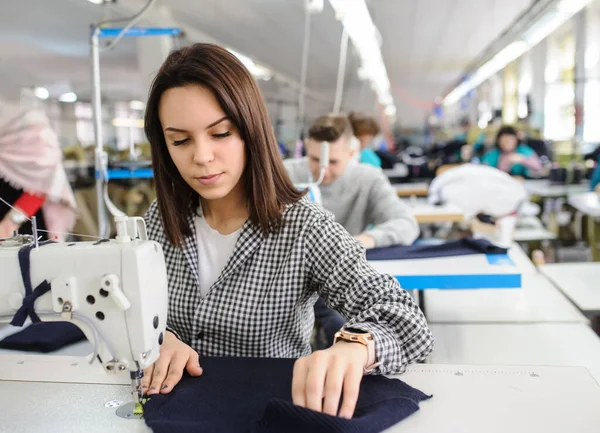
(115, 291)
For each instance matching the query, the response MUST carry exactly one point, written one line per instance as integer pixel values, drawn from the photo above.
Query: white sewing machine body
(119, 287)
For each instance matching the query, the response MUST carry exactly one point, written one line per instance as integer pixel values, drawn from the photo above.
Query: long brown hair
(265, 180)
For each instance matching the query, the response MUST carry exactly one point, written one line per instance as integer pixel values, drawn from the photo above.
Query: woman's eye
(179, 142)
(223, 135)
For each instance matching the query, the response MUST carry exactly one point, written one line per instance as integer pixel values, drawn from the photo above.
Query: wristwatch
(364, 338)
(17, 217)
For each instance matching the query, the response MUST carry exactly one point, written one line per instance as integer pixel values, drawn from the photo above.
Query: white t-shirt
(214, 250)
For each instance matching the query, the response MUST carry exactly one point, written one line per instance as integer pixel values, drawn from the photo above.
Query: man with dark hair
(359, 195)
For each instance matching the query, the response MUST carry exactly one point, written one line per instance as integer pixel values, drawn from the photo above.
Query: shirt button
(200, 335)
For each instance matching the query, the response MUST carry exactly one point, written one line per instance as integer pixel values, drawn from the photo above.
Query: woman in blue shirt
(595, 182)
(511, 156)
(365, 129)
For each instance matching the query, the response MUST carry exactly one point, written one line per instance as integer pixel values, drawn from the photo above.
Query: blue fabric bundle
(244, 395)
(43, 337)
(461, 247)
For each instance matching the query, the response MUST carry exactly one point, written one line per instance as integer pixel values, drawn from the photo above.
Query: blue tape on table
(460, 282)
(499, 259)
(137, 32)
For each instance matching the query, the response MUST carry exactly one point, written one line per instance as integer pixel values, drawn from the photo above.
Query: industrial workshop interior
(289, 216)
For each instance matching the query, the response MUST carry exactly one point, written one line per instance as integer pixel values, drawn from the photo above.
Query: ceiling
(427, 44)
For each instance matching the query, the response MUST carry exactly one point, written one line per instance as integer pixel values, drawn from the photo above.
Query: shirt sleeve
(392, 220)
(30, 203)
(371, 302)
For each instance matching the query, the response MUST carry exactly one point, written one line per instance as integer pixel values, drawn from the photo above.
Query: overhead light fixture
(365, 37)
(257, 71)
(548, 23)
(68, 97)
(137, 105)
(495, 64)
(41, 93)
(96, 2)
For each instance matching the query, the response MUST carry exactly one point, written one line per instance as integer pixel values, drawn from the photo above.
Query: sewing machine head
(115, 291)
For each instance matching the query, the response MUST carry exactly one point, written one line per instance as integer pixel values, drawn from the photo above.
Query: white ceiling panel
(427, 44)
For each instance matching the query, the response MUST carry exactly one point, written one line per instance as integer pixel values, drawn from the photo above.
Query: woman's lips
(210, 179)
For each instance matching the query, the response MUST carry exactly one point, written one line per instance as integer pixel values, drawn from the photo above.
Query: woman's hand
(175, 356)
(7, 227)
(516, 158)
(320, 377)
(366, 240)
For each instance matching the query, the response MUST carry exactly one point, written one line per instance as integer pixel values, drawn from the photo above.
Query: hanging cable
(339, 91)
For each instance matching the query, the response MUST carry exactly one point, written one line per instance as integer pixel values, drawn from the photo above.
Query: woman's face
(203, 143)
(507, 142)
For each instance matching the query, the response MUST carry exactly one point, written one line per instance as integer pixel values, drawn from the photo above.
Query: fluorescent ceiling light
(497, 63)
(539, 31)
(68, 97)
(41, 93)
(257, 71)
(137, 105)
(365, 37)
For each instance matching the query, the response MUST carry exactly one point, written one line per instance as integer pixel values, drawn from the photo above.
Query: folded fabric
(462, 247)
(244, 395)
(43, 337)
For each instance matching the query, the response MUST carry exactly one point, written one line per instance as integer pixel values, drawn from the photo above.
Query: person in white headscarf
(32, 176)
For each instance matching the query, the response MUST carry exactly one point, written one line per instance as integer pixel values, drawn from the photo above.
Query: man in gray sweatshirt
(359, 195)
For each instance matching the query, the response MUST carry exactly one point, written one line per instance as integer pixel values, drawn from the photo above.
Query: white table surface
(466, 399)
(521, 260)
(580, 282)
(532, 229)
(452, 269)
(550, 344)
(421, 187)
(542, 188)
(587, 203)
(537, 301)
(425, 212)
(400, 170)
(533, 234)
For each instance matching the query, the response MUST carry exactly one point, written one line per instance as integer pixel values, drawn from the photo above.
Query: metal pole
(304, 70)
(100, 159)
(34, 230)
(339, 91)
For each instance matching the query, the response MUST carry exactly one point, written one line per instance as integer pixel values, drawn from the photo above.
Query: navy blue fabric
(462, 247)
(43, 337)
(27, 308)
(244, 395)
(330, 321)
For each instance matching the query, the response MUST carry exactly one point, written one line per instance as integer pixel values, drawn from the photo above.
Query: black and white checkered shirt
(262, 303)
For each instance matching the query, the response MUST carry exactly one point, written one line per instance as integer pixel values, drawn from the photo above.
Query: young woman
(247, 256)
(512, 157)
